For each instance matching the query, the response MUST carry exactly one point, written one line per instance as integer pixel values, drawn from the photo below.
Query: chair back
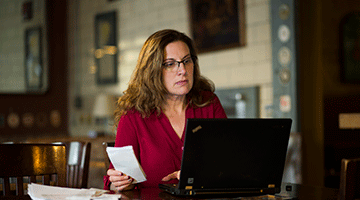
(31, 163)
(78, 162)
(107, 160)
(350, 179)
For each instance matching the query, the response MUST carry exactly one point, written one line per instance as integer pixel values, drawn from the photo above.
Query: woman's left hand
(171, 176)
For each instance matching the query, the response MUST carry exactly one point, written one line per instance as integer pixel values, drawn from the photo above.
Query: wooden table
(288, 191)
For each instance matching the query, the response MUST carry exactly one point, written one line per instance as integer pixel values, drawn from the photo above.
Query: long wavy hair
(146, 92)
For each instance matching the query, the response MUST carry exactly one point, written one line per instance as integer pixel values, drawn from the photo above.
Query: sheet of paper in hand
(124, 160)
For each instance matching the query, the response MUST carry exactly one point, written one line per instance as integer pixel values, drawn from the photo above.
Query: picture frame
(106, 52)
(217, 25)
(350, 48)
(27, 10)
(34, 68)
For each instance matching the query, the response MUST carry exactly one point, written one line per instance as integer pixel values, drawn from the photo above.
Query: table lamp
(103, 111)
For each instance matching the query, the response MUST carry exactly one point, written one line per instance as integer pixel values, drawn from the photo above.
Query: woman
(166, 89)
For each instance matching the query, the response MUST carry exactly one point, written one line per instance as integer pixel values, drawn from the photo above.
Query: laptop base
(228, 192)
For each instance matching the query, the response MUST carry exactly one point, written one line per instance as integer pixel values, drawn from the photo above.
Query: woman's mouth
(182, 82)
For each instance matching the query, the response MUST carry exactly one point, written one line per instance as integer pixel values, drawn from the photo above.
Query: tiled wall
(137, 19)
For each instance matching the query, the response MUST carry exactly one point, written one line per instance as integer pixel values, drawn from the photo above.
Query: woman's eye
(169, 64)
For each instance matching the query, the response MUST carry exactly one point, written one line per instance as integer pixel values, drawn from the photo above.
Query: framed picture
(27, 10)
(33, 59)
(106, 51)
(217, 25)
(350, 48)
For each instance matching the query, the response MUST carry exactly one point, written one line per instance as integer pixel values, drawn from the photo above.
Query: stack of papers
(124, 160)
(45, 192)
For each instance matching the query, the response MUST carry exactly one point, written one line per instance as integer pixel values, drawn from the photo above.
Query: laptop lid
(233, 155)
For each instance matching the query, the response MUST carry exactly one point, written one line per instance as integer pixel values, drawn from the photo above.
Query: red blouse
(156, 144)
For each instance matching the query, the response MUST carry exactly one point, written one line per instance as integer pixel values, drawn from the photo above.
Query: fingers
(178, 175)
(167, 178)
(119, 180)
(123, 185)
(173, 175)
(128, 187)
(113, 172)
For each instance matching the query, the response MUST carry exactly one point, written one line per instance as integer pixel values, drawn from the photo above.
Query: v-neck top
(156, 145)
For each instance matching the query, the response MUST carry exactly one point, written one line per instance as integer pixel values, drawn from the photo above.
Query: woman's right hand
(119, 181)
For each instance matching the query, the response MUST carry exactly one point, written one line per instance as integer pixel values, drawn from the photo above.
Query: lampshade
(104, 105)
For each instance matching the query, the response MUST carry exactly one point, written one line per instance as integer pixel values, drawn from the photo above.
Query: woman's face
(178, 77)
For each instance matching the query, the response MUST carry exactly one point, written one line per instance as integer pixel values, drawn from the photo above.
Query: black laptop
(242, 157)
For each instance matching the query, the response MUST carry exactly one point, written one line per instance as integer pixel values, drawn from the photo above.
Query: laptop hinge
(229, 192)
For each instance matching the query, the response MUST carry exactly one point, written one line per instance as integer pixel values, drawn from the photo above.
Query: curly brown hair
(146, 92)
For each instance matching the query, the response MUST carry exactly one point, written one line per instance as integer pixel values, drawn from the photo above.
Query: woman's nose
(181, 69)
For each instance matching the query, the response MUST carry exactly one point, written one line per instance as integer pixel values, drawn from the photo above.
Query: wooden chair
(107, 160)
(350, 179)
(44, 163)
(78, 163)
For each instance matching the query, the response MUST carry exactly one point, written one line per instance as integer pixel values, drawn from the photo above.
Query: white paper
(45, 192)
(124, 160)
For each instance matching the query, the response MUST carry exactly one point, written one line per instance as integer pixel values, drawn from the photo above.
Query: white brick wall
(237, 67)
(12, 45)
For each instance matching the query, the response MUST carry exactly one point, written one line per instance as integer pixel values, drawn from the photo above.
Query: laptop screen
(234, 153)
